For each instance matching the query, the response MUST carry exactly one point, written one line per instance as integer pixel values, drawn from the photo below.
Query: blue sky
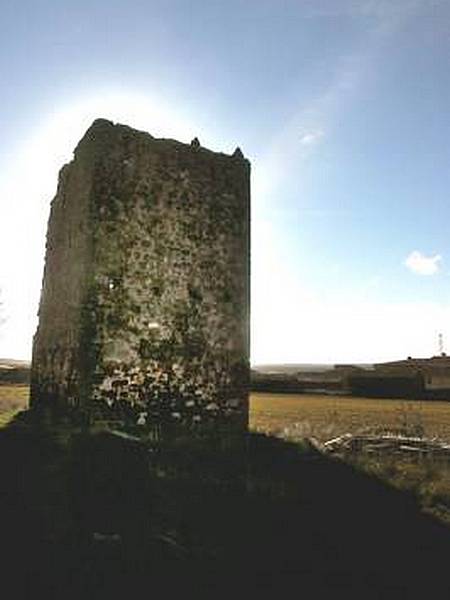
(342, 108)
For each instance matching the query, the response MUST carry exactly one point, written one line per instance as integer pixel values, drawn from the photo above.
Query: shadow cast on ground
(98, 516)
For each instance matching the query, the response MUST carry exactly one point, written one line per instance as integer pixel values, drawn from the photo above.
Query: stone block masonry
(144, 311)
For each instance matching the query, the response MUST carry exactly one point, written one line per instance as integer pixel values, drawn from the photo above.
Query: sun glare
(28, 183)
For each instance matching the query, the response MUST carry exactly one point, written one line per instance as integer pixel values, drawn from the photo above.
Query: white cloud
(298, 137)
(311, 137)
(423, 265)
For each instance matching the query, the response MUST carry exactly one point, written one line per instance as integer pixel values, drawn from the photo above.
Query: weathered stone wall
(144, 314)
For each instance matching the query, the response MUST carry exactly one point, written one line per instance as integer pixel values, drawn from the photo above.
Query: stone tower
(144, 311)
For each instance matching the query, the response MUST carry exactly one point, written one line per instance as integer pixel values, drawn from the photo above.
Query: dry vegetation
(426, 479)
(295, 416)
(12, 399)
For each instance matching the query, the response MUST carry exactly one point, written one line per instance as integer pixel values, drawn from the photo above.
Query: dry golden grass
(323, 417)
(428, 480)
(12, 399)
(294, 417)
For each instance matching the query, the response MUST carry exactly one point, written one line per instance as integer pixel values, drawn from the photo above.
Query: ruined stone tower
(144, 312)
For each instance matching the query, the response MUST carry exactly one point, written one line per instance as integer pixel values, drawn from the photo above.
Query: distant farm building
(410, 378)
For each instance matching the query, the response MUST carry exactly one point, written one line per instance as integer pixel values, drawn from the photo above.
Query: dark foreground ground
(103, 517)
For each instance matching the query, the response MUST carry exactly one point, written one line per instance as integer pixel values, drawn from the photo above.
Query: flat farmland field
(295, 416)
(323, 417)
